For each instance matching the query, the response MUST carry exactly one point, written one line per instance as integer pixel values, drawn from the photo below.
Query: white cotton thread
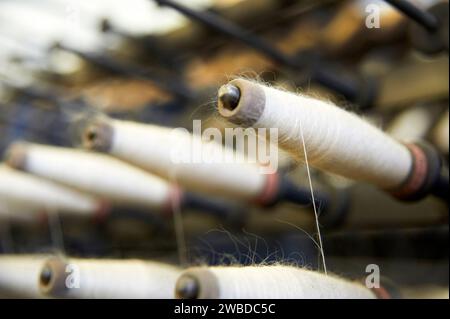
(19, 275)
(151, 147)
(272, 282)
(338, 141)
(97, 174)
(109, 279)
(43, 194)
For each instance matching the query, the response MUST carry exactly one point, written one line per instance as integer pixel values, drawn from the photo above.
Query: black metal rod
(348, 90)
(220, 209)
(424, 18)
(38, 94)
(226, 27)
(144, 215)
(150, 44)
(34, 93)
(441, 187)
(332, 81)
(171, 85)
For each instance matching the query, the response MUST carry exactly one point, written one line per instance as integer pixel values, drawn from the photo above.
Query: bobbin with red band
(425, 173)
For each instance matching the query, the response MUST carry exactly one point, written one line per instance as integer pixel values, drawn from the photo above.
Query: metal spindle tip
(105, 25)
(46, 276)
(97, 136)
(229, 96)
(187, 287)
(91, 135)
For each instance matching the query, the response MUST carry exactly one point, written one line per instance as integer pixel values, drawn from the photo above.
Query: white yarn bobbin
(336, 140)
(46, 195)
(266, 282)
(97, 174)
(108, 279)
(19, 275)
(154, 148)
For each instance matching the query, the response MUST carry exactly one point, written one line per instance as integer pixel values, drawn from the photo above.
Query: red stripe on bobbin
(417, 176)
(270, 191)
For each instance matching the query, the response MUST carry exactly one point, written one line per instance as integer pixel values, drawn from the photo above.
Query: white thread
(151, 147)
(337, 141)
(42, 194)
(273, 282)
(97, 174)
(19, 275)
(110, 279)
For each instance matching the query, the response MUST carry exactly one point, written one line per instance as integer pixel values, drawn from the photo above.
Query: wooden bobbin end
(97, 135)
(52, 278)
(197, 283)
(241, 102)
(16, 155)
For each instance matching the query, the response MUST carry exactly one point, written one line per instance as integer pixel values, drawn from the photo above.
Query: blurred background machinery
(162, 62)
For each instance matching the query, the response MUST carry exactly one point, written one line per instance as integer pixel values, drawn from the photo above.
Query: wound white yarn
(110, 279)
(19, 275)
(45, 195)
(151, 147)
(97, 174)
(282, 282)
(336, 140)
